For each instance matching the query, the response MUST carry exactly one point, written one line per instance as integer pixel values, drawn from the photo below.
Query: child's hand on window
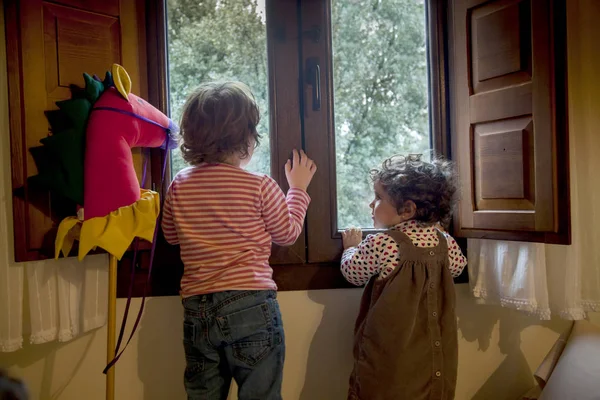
(351, 237)
(299, 170)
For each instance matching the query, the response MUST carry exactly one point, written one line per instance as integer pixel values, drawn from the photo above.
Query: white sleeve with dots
(376, 255)
(457, 259)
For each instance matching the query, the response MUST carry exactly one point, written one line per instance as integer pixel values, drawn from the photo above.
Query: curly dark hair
(219, 119)
(432, 186)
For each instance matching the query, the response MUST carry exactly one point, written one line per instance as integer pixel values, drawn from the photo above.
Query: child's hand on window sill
(351, 237)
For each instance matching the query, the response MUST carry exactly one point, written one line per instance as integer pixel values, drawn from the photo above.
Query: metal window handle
(313, 78)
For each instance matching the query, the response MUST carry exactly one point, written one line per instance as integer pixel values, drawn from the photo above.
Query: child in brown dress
(406, 344)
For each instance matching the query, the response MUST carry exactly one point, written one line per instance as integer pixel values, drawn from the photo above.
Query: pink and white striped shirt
(224, 218)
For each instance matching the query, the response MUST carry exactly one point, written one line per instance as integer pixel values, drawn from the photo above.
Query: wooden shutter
(507, 74)
(49, 46)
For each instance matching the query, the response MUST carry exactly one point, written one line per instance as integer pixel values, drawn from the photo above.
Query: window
(380, 94)
(379, 76)
(347, 80)
(371, 60)
(379, 99)
(219, 40)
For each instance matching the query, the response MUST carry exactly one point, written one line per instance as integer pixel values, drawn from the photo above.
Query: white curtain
(510, 274)
(538, 279)
(66, 297)
(547, 279)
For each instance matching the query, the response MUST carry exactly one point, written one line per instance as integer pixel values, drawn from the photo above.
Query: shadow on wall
(330, 355)
(477, 322)
(33, 353)
(161, 360)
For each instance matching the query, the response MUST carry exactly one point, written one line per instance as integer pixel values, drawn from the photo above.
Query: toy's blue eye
(142, 102)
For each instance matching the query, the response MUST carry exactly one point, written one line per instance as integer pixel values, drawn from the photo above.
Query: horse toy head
(119, 121)
(93, 164)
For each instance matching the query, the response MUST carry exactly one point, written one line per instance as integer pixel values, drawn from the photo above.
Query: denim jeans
(233, 334)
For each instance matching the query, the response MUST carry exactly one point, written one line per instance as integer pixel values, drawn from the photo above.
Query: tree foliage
(213, 40)
(379, 71)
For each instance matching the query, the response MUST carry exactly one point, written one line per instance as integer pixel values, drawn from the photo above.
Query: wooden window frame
(295, 275)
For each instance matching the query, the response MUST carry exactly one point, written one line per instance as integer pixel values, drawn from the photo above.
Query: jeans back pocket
(249, 332)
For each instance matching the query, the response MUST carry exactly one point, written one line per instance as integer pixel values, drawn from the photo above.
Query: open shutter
(507, 76)
(50, 44)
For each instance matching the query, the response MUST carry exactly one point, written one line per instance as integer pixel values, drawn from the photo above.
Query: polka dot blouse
(378, 254)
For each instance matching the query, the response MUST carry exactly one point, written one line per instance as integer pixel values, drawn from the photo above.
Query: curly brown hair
(432, 186)
(219, 119)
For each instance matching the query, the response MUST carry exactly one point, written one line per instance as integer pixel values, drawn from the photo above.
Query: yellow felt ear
(121, 80)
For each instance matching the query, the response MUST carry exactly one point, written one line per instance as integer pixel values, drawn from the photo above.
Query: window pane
(381, 94)
(214, 40)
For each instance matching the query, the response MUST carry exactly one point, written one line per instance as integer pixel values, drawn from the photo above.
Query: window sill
(290, 277)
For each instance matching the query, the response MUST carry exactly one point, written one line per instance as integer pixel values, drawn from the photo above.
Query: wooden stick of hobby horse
(112, 325)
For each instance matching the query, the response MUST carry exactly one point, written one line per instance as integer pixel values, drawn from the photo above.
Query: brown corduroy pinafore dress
(406, 345)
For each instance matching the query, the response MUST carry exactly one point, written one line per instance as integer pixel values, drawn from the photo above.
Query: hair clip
(413, 158)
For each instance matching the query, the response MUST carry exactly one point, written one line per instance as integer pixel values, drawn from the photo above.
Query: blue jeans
(234, 334)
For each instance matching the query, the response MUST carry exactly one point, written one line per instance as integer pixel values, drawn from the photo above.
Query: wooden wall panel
(106, 7)
(509, 136)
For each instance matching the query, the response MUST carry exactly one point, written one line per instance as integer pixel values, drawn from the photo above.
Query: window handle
(313, 78)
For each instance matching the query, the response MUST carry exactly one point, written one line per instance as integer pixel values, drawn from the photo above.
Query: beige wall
(499, 348)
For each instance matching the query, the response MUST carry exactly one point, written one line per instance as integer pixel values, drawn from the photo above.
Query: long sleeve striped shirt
(224, 219)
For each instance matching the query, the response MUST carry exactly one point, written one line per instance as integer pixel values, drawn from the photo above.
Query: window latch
(313, 78)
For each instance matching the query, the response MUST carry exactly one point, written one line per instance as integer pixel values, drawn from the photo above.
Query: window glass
(215, 40)
(381, 94)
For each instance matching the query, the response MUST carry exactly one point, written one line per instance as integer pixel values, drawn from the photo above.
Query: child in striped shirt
(225, 218)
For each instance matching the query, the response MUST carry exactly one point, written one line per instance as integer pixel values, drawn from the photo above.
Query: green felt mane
(60, 158)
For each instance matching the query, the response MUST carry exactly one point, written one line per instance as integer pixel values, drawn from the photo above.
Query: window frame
(288, 275)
